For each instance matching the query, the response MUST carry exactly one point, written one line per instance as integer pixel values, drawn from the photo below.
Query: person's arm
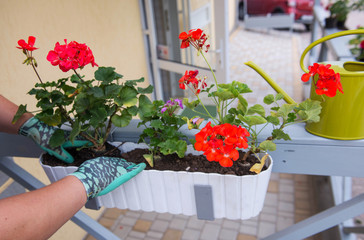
(40, 213)
(8, 110)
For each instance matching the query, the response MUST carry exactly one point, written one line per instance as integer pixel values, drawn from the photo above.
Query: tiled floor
(289, 199)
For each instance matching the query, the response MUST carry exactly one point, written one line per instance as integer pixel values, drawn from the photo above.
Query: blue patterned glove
(103, 174)
(41, 134)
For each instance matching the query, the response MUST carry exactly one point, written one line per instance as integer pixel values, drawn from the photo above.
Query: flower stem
(35, 70)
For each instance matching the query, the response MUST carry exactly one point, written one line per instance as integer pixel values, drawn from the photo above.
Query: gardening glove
(103, 174)
(41, 134)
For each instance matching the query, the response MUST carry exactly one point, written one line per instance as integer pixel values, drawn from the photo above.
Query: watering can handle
(328, 37)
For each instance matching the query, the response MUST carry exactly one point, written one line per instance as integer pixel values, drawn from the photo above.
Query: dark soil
(190, 163)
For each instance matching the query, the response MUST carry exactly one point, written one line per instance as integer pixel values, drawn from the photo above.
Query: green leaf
(274, 120)
(128, 97)
(112, 90)
(146, 90)
(132, 83)
(122, 120)
(171, 146)
(99, 116)
(21, 110)
(269, 99)
(279, 96)
(106, 74)
(285, 109)
(51, 120)
(267, 145)
(145, 107)
(76, 129)
(133, 110)
(252, 120)
(310, 110)
(257, 108)
(157, 124)
(279, 134)
(242, 104)
(97, 92)
(190, 105)
(57, 138)
(149, 159)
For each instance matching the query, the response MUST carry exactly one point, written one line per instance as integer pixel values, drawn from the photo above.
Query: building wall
(112, 29)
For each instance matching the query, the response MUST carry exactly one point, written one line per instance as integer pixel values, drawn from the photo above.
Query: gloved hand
(41, 134)
(103, 174)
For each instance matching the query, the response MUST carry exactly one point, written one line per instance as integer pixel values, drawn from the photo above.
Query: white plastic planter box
(233, 197)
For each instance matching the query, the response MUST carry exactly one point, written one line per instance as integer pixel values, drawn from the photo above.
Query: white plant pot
(233, 197)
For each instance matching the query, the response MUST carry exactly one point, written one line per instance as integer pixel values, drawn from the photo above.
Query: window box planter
(232, 197)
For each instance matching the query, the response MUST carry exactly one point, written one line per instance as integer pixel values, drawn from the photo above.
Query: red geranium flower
(328, 82)
(27, 46)
(71, 56)
(194, 37)
(219, 143)
(190, 77)
(362, 44)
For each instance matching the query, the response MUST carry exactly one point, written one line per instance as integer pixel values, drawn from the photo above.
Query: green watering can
(342, 116)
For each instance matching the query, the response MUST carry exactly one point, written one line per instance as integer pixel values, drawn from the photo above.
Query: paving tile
(268, 217)
(302, 204)
(248, 229)
(178, 223)
(265, 229)
(230, 224)
(128, 221)
(246, 237)
(172, 234)
(122, 231)
(271, 199)
(286, 176)
(113, 213)
(133, 214)
(284, 222)
(227, 234)
(159, 226)
(273, 187)
(287, 197)
(149, 216)
(153, 234)
(165, 216)
(210, 231)
(107, 222)
(142, 225)
(137, 234)
(285, 206)
(191, 234)
(195, 223)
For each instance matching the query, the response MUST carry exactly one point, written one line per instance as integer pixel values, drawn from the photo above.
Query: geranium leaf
(252, 120)
(310, 110)
(279, 134)
(269, 99)
(242, 104)
(146, 90)
(192, 104)
(257, 108)
(267, 145)
(21, 110)
(145, 107)
(285, 109)
(274, 120)
(106, 74)
(57, 139)
(149, 159)
(128, 97)
(122, 120)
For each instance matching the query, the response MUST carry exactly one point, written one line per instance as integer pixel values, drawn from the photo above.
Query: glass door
(163, 20)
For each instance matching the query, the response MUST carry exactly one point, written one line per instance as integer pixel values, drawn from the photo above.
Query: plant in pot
(239, 180)
(339, 11)
(83, 111)
(357, 44)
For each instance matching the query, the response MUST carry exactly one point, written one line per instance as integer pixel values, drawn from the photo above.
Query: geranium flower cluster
(195, 38)
(27, 46)
(220, 142)
(328, 82)
(71, 55)
(190, 77)
(171, 106)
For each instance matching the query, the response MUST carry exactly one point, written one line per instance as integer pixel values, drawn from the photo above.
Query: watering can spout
(271, 82)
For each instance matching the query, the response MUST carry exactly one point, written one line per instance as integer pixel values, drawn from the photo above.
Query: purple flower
(170, 105)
